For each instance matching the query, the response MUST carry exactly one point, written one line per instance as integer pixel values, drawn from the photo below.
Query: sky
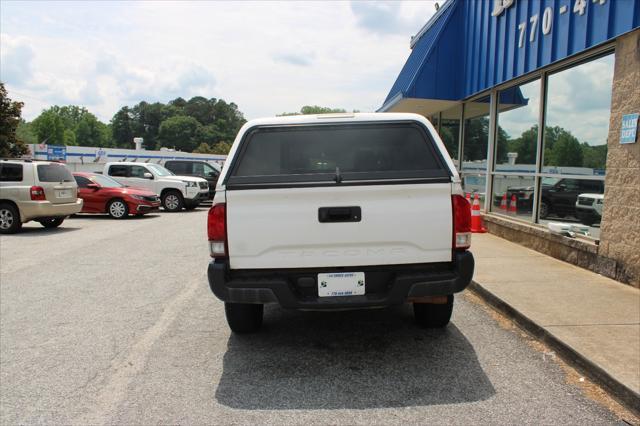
(267, 57)
(578, 100)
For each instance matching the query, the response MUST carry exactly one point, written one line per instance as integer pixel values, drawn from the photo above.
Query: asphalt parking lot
(107, 321)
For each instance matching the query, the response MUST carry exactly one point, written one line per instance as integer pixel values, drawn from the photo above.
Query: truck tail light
(217, 230)
(461, 222)
(37, 193)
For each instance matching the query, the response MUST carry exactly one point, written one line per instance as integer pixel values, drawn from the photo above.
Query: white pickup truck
(339, 211)
(175, 192)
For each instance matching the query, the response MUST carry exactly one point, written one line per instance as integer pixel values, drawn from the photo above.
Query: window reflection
(513, 195)
(450, 132)
(577, 118)
(518, 114)
(476, 135)
(572, 201)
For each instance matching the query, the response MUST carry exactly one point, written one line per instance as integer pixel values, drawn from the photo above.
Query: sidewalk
(588, 318)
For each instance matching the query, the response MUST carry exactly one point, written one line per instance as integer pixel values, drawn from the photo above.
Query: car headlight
(189, 184)
(137, 197)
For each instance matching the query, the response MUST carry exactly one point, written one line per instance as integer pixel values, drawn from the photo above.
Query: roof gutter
(391, 102)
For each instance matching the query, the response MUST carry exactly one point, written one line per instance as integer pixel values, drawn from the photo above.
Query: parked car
(558, 196)
(589, 208)
(102, 194)
(43, 191)
(338, 212)
(176, 192)
(202, 169)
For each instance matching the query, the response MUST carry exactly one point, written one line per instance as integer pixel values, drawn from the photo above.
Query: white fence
(91, 159)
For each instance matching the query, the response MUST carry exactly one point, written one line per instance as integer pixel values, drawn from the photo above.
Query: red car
(101, 194)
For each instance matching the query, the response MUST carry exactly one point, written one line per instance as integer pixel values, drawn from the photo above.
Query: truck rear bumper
(298, 288)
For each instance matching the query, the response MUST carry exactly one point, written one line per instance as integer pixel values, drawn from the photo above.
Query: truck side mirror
(147, 175)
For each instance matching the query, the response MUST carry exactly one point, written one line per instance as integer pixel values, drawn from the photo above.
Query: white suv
(175, 192)
(36, 190)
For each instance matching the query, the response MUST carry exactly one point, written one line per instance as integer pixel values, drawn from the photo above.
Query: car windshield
(106, 182)
(159, 170)
(549, 181)
(210, 169)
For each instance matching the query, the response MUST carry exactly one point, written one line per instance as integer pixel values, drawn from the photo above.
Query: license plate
(341, 284)
(65, 193)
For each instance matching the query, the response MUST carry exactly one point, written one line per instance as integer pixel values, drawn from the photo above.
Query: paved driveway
(107, 321)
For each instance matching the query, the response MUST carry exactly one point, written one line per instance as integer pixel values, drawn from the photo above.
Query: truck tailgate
(280, 227)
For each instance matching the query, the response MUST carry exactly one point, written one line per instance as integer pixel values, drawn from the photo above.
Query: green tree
(566, 151)
(25, 133)
(10, 144)
(314, 109)
(49, 128)
(179, 132)
(203, 148)
(525, 146)
(121, 128)
(201, 108)
(218, 121)
(69, 137)
(91, 132)
(71, 115)
(221, 148)
(594, 157)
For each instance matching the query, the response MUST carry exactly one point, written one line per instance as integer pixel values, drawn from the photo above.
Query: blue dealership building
(490, 74)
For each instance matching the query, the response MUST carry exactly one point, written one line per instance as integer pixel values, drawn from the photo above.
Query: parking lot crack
(123, 369)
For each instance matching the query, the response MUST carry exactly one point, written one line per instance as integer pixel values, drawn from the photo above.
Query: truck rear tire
(431, 315)
(244, 317)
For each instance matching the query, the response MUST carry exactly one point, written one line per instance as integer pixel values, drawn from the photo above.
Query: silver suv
(43, 191)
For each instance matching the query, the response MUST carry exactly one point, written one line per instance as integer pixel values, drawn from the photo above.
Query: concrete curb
(626, 396)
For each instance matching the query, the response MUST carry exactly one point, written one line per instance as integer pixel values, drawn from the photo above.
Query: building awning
(436, 94)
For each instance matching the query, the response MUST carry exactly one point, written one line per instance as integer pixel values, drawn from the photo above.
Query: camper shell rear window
(336, 154)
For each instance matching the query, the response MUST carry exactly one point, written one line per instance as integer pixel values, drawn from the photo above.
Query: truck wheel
(51, 222)
(544, 210)
(243, 317)
(431, 315)
(9, 219)
(172, 201)
(117, 209)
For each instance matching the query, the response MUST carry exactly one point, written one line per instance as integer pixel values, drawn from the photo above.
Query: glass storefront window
(474, 147)
(578, 107)
(475, 183)
(517, 135)
(476, 135)
(435, 120)
(450, 131)
(572, 201)
(513, 196)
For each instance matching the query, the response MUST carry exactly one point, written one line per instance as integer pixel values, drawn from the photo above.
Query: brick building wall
(620, 228)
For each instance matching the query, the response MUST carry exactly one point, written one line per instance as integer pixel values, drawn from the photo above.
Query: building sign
(499, 6)
(529, 28)
(629, 129)
(55, 152)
